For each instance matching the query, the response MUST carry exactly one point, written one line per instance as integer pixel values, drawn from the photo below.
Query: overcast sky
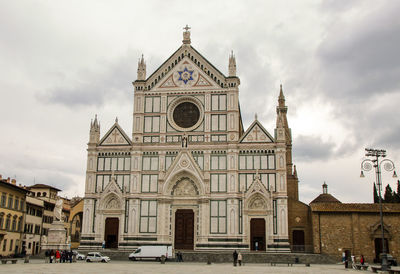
(62, 62)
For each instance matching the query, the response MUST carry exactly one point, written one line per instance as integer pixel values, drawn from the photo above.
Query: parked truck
(151, 252)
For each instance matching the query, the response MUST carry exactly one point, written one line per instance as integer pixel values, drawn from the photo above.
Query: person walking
(235, 257)
(46, 257)
(51, 256)
(58, 256)
(362, 260)
(240, 258)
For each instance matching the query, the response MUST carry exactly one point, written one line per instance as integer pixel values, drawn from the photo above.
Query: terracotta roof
(43, 186)
(325, 198)
(5, 183)
(354, 207)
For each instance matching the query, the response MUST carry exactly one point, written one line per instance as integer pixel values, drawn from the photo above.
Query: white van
(151, 252)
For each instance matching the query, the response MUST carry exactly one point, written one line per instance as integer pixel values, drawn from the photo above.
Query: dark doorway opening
(184, 229)
(257, 234)
(298, 241)
(378, 248)
(111, 232)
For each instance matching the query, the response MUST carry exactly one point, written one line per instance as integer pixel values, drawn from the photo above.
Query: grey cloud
(92, 87)
(361, 59)
(312, 148)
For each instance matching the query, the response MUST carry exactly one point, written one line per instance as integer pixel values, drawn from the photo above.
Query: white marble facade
(188, 151)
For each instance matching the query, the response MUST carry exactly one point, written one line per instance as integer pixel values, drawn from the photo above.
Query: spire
(94, 131)
(232, 65)
(186, 35)
(281, 99)
(116, 120)
(255, 116)
(141, 71)
(294, 171)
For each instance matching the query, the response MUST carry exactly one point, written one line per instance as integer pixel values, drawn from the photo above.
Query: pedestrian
(362, 260)
(46, 256)
(343, 257)
(256, 246)
(179, 257)
(70, 256)
(240, 258)
(353, 262)
(58, 256)
(103, 245)
(51, 256)
(235, 257)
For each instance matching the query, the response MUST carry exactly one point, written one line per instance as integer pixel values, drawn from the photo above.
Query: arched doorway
(184, 229)
(257, 234)
(298, 241)
(111, 232)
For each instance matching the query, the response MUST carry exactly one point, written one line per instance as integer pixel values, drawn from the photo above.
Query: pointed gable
(256, 133)
(184, 161)
(186, 67)
(186, 74)
(116, 136)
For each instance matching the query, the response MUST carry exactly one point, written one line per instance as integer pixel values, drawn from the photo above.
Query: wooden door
(298, 240)
(257, 234)
(111, 232)
(184, 229)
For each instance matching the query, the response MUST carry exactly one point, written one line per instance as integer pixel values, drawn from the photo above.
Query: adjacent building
(12, 214)
(33, 228)
(353, 228)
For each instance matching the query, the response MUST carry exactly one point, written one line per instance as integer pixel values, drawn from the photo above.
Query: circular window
(185, 113)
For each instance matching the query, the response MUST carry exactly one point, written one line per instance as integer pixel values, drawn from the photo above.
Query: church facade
(190, 175)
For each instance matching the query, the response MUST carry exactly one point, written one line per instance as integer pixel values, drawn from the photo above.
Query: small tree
(388, 197)
(397, 195)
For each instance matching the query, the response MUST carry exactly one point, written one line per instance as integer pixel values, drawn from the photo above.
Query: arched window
(1, 220)
(38, 194)
(44, 194)
(14, 224)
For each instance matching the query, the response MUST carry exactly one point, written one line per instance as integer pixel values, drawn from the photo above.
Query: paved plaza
(38, 266)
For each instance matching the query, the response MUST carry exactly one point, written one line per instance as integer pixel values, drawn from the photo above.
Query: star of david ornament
(185, 75)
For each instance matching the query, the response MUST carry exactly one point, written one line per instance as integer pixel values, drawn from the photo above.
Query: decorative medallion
(297, 219)
(184, 163)
(185, 75)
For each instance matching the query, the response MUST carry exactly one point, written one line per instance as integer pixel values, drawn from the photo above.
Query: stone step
(226, 256)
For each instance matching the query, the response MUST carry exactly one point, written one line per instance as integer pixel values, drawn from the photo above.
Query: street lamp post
(388, 165)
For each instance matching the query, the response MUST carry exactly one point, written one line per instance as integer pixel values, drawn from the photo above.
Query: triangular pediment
(186, 74)
(185, 68)
(184, 161)
(112, 187)
(116, 136)
(256, 133)
(257, 187)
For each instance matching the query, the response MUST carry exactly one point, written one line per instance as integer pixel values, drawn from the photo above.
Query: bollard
(162, 259)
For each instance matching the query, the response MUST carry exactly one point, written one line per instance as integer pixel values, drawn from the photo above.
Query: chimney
(14, 182)
(8, 180)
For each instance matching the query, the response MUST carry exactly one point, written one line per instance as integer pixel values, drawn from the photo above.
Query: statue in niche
(184, 141)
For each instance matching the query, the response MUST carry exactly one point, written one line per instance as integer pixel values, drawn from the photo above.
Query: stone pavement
(38, 266)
